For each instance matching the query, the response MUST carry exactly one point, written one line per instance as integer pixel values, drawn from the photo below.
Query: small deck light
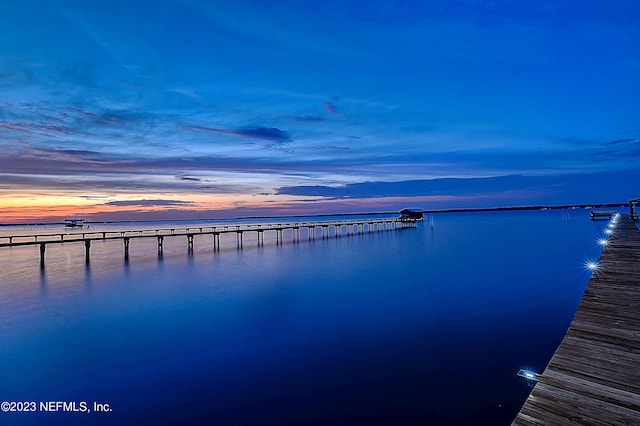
(608, 231)
(592, 266)
(528, 374)
(603, 242)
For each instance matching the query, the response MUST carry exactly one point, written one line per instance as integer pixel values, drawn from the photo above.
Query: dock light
(608, 231)
(612, 225)
(528, 374)
(592, 266)
(603, 242)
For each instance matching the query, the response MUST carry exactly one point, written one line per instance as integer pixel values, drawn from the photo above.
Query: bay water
(425, 325)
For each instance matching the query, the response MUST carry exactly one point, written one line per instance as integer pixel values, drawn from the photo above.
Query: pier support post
(190, 242)
(160, 245)
(216, 241)
(87, 249)
(43, 246)
(239, 239)
(126, 248)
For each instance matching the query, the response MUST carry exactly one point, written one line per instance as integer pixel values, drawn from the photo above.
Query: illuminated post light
(603, 242)
(592, 266)
(528, 374)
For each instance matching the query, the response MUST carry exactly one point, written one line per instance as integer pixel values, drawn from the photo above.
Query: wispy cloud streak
(148, 203)
(265, 133)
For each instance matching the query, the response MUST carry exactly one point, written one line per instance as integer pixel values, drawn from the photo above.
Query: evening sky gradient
(192, 109)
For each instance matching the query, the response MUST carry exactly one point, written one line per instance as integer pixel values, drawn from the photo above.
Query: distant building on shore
(411, 214)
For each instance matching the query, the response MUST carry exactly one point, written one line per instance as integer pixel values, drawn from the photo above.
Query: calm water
(415, 326)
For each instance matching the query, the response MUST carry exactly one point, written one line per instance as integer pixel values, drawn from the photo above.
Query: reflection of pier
(593, 376)
(340, 227)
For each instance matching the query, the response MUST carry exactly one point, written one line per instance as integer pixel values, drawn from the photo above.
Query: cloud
(579, 187)
(42, 123)
(332, 108)
(148, 203)
(329, 148)
(265, 133)
(622, 149)
(76, 155)
(446, 186)
(628, 141)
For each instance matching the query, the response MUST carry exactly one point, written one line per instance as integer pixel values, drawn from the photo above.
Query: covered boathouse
(411, 214)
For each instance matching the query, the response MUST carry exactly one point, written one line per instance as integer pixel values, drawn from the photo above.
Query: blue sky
(132, 109)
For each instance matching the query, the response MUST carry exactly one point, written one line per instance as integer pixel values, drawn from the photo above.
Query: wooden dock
(594, 375)
(599, 214)
(349, 227)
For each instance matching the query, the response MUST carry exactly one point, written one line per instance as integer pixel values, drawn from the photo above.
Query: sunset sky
(195, 109)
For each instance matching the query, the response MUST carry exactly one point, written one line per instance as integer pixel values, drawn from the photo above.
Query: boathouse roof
(412, 214)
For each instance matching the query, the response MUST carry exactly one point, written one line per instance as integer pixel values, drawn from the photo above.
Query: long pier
(594, 375)
(87, 237)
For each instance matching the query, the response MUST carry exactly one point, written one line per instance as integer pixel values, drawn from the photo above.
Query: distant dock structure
(410, 215)
(633, 204)
(74, 223)
(340, 227)
(594, 378)
(601, 214)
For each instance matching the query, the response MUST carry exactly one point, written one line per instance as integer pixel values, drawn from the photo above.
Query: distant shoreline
(561, 207)
(431, 211)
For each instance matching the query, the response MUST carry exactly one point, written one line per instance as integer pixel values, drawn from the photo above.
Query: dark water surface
(414, 326)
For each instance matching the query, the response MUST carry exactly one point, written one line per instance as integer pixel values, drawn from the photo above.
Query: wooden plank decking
(594, 376)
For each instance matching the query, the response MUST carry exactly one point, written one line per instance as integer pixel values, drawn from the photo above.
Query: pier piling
(126, 248)
(160, 245)
(43, 247)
